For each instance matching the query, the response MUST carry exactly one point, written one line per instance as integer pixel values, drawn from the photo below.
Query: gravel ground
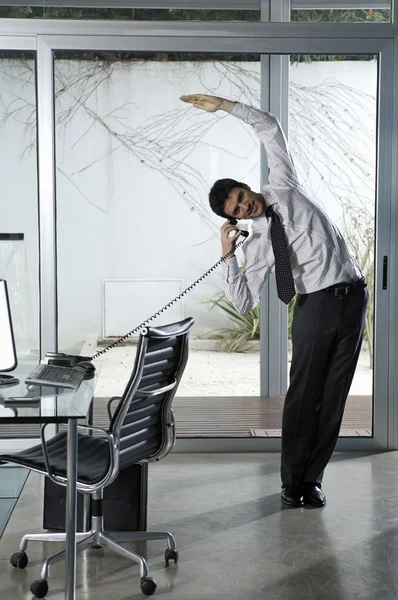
(209, 373)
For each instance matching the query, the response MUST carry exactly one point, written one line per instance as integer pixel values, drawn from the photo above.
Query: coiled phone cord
(166, 306)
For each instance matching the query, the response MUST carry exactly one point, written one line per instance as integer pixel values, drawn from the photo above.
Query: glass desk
(47, 404)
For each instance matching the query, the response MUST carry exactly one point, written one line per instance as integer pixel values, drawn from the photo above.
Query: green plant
(246, 327)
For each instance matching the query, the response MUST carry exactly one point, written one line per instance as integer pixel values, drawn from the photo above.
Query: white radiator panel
(127, 303)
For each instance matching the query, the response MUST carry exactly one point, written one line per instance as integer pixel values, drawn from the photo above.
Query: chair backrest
(143, 422)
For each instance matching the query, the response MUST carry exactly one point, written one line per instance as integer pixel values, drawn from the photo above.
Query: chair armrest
(165, 388)
(108, 406)
(93, 428)
(63, 480)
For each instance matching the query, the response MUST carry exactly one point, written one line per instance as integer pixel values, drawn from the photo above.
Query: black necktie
(283, 269)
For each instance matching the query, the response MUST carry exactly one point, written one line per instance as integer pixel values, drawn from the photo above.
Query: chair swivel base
(97, 537)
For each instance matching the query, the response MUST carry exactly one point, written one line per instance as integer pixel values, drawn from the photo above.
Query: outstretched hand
(208, 103)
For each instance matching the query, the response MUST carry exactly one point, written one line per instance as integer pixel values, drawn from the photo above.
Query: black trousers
(327, 334)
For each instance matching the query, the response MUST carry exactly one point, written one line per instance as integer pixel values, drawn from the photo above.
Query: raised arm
(280, 163)
(282, 171)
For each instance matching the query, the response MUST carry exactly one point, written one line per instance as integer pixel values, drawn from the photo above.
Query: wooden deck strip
(252, 416)
(217, 417)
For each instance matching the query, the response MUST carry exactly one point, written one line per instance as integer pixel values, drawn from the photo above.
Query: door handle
(385, 272)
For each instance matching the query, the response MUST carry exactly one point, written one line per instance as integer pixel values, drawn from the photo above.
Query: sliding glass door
(133, 171)
(134, 166)
(333, 135)
(134, 228)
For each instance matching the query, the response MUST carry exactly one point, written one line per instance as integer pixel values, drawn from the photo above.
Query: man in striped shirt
(330, 305)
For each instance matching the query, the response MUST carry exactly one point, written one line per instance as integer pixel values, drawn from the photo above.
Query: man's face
(242, 203)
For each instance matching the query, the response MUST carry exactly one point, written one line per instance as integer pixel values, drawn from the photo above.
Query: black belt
(344, 288)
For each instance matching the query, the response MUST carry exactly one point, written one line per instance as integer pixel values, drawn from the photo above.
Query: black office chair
(141, 430)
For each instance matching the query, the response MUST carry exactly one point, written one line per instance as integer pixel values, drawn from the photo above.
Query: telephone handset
(56, 358)
(243, 232)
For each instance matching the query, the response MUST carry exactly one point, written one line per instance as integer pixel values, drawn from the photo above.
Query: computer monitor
(8, 355)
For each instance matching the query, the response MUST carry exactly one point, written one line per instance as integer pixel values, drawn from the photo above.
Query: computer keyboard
(67, 377)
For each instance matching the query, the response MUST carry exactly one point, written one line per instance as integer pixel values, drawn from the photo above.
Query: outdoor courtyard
(219, 394)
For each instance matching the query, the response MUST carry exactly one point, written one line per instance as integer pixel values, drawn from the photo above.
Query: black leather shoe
(313, 494)
(292, 495)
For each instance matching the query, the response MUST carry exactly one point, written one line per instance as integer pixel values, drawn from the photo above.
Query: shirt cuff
(231, 269)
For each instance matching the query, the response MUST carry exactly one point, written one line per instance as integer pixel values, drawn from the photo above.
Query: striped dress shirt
(318, 253)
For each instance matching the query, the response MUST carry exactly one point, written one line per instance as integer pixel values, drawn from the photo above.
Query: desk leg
(87, 497)
(70, 516)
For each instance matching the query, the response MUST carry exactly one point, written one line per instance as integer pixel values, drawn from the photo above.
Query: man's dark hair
(219, 193)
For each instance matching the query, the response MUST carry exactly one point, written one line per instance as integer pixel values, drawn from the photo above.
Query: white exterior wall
(120, 216)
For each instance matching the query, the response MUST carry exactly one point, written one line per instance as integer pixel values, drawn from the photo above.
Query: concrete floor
(236, 541)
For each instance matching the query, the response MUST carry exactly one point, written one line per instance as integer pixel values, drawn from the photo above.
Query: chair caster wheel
(39, 588)
(171, 555)
(19, 560)
(148, 586)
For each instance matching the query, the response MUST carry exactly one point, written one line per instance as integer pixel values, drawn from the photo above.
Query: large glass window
(134, 167)
(57, 11)
(19, 248)
(332, 133)
(53, 9)
(348, 15)
(134, 228)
